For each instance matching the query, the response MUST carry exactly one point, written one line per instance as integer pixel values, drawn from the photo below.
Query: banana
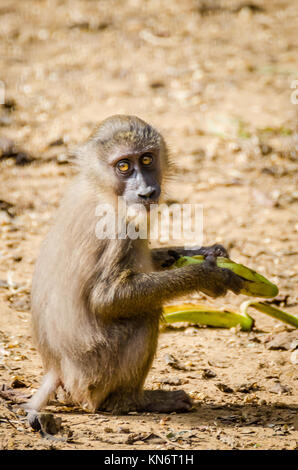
(204, 315)
(271, 310)
(255, 285)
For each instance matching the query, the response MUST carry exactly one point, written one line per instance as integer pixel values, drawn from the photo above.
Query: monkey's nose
(147, 193)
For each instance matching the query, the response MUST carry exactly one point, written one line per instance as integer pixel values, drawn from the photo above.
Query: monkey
(97, 303)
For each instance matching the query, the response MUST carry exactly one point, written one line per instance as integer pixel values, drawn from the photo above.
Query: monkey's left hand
(213, 250)
(165, 257)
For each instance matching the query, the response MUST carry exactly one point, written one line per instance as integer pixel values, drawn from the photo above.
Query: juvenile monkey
(96, 303)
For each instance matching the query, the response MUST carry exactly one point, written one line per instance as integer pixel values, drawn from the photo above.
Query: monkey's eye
(123, 166)
(147, 159)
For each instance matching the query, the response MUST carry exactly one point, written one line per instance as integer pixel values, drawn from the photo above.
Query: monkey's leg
(50, 384)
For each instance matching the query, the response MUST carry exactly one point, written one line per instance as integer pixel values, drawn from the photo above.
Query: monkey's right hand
(217, 281)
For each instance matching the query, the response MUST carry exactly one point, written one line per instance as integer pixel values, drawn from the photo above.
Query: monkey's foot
(119, 403)
(163, 401)
(156, 401)
(46, 423)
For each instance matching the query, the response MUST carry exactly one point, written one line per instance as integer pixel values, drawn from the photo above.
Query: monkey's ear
(79, 152)
(83, 155)
(72, 156)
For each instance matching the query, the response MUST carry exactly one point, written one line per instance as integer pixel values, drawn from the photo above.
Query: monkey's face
(138, 176)
(126, 157)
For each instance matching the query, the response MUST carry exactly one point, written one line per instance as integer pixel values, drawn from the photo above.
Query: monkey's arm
(164, 257)
(142, 292)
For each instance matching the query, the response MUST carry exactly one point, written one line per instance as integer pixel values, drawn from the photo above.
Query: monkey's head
(127, 157)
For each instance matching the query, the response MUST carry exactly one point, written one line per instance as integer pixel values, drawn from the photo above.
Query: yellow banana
(204, 315)
(255, 285)
(271, 310)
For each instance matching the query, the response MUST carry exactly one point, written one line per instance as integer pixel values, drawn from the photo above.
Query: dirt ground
(215, 77)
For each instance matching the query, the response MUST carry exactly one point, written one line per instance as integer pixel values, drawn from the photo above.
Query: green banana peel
(270, 310)
(255, 285)
(204, 315)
